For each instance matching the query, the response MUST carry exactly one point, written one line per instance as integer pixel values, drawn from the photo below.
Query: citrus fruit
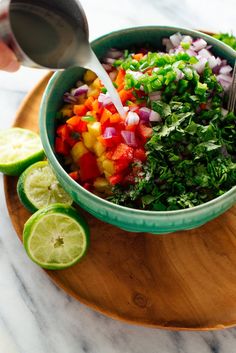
(56, 237)
(38, 187)
(18, 149)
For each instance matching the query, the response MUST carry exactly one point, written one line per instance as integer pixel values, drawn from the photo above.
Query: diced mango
(95, 128)
(101, 184)
(89, 140)
(102, 157)
(89, 76)
(67, 110)
(107, 175)
(94, 92)
(99, 149)
(78, 150)
(108, 166)
(96, 83)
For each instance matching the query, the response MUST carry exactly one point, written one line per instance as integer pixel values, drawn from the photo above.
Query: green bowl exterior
(126, 218)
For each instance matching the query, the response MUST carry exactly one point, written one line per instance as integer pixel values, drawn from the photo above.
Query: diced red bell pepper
(74, 175)
(140, 154)
(115, 118)
(63, 132)
(131, 127)
(77, 124)
(79, 109)
(88, 167)
(106, 115)
(112, 141)
(126, 95)
(122, 165)
(123, 152)
(115, 179)
(61, 147)
(144, 132)
(89, 103)
(138, 56)
(120, 77)
(88, 186)
(111, 108)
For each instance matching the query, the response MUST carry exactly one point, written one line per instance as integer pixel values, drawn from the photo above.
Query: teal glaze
(126, 218)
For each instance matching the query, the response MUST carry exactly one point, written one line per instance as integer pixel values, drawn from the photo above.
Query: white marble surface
(37, 317)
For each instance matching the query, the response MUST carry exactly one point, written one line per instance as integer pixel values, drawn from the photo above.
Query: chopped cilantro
(191, 156)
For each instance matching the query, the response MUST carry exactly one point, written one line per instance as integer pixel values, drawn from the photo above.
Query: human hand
(8, 60)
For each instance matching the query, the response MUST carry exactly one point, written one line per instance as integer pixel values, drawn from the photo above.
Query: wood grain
(184, 280)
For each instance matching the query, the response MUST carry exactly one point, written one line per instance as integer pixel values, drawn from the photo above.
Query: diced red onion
(69, 98)
(191, 52)
(179, 74)
(144, 114)
(109, 132)
(204, 53)
(132, 118)
(129, 138)
(80, 90)
(171, 51)
(187, 39)
(199, 44)
(167, 43)
(104, 98)
(213, 61)
(225, 81)
(154, 116)
(113, 75)
(200, 65)
(155, 96)
(176, 39)
(107, 67)
(108, 60)
(223, 62)
(179, 49)
(225, 69)
(135, 74)
(114, 53)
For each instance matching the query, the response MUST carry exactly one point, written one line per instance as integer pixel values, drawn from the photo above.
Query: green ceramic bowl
(123, 217)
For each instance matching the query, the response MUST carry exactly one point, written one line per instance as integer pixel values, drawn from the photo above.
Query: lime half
(38, 187)
(18, 149)
(56, 237)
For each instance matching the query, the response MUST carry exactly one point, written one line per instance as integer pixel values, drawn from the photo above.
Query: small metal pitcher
(66, 11)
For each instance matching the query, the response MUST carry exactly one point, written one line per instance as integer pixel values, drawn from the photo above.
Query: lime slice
(56, 237)
(18, 149)
(38, 187)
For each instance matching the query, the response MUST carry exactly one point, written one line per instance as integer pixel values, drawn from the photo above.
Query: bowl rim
(73, 184)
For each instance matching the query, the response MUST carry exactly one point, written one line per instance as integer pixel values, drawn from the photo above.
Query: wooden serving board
(184, 280)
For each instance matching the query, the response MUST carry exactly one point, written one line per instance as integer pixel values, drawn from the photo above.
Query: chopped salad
(174, 149)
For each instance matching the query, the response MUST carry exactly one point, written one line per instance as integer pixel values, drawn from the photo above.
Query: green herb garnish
(227, 38)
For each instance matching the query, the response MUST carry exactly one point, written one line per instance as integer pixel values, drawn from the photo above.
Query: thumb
(8, 60)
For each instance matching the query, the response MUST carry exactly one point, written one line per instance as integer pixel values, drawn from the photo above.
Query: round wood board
(184, 280)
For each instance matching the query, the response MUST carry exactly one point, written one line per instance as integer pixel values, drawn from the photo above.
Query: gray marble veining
(36, 316)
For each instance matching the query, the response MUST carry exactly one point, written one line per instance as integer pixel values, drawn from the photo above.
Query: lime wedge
(38, 187)
(18, 149)
(56, 237)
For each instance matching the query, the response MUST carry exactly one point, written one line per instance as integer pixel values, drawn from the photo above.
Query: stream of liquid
(53, 40)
